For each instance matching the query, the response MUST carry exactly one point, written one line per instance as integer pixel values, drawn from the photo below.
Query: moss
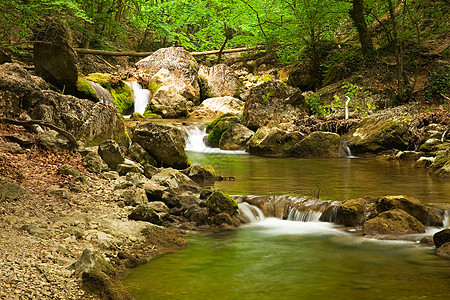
(86, 88)
(220, 202)
(266, 77)
(216, 120)
(153, 86)
(220, 127)
(100, 78)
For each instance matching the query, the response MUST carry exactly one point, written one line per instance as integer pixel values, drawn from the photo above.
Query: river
(279, 259)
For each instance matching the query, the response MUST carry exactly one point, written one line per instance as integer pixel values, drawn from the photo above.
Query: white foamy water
(141, 97)
(275, 226)
(195, 137)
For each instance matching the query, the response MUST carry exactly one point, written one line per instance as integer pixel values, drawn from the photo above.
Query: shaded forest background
(390, 40)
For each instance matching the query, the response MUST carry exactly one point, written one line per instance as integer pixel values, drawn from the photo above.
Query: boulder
(9, 190)
(352, 212)
(222, 218)
(197, 214)
(220, 202)
(111, 153)
(444, 250)
(182, 71)
(164, 237)
(215, 107)
(412, 206)
(144, 212)
(300, 76)
(89, 122)
(154, 191)
(54, 58)
(130, 167)
(159, 206)
(99, 277)
(273, 101)
(216, 128)
(51, 140)
(168, 103)
(424, 162)
(441, 165)
(235, 137)
(385, 130)
(273, 141)
(165, 143)
(150, 170)
(69, 170)
(319, 144)
(137, 153)
(203, 175)
(94, 163)
(134, 196)
(175, 181)
(394, 221)
(441, 237)
(219, 81)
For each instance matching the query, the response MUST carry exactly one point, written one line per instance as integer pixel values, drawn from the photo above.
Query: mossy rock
(203, 175)
(219, 128)
(120, 91)
(213, 123)
(319, 144)
(394, 221)
(144, 212)
(220, 202)
(84, 87)
(352, 212)
(412, 206)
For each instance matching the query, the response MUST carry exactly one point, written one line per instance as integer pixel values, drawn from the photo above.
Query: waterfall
(303, 216)
(103, 95)
(252, 213)
(347, 150)
(141, 97)
(446, 219)
(195, 140)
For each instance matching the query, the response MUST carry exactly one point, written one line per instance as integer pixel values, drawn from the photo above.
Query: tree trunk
(365, 38)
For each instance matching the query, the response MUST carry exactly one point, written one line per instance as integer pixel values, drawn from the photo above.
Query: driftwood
(66, 134)
(145, 54)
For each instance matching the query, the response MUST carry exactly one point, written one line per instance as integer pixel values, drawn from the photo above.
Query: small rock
(441, 237)
(111, 153)
(69, 170)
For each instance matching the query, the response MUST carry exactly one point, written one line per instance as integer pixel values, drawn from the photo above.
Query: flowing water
(301, 258)
(141, 97)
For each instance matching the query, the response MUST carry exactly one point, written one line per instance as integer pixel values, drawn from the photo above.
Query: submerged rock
(165, 143)
(441, 237)
(394, 221)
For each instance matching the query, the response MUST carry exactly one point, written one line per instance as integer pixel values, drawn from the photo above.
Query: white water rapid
(141, 97)
(297, 223)
(195, 140)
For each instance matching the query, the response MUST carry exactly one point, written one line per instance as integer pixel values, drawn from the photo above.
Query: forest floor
(37, 239)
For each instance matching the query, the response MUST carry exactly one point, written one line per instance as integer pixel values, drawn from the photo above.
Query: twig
(42, 272)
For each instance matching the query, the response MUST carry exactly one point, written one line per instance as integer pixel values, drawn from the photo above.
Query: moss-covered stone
(273, 141)
(214, 122)
(441, 165)
(203, 175)
(145, 213)
(410, 205)
(319, 144)
(85, 88)
(352, 212)
(219, 128)
(219, 202)
(441, 237)
(394, 221)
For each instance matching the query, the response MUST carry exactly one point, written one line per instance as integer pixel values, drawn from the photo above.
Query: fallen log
(145, 54)
(66, 134)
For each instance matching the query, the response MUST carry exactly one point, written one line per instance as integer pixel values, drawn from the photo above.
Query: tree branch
(66, 134)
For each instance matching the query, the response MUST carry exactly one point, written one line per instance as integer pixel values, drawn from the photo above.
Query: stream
(272, 258)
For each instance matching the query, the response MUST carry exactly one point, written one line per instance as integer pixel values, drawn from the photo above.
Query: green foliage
(359, 100)
(438, 84)
(316, 105)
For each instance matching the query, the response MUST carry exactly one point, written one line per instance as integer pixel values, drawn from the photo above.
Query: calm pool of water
(277, 259)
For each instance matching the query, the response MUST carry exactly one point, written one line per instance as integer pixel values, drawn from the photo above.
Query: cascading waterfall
(447, 218)
(103, 95)
(251, 212)
(141, 97)
(303, 216)
(195, 140)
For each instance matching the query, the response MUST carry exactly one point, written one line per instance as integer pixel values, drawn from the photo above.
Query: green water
(277, 259)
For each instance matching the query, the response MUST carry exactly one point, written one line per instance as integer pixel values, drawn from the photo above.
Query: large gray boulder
(168, 103)
(273, 101)
(181, 71)
(219, 81)
(218, 106)
(165, 143)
